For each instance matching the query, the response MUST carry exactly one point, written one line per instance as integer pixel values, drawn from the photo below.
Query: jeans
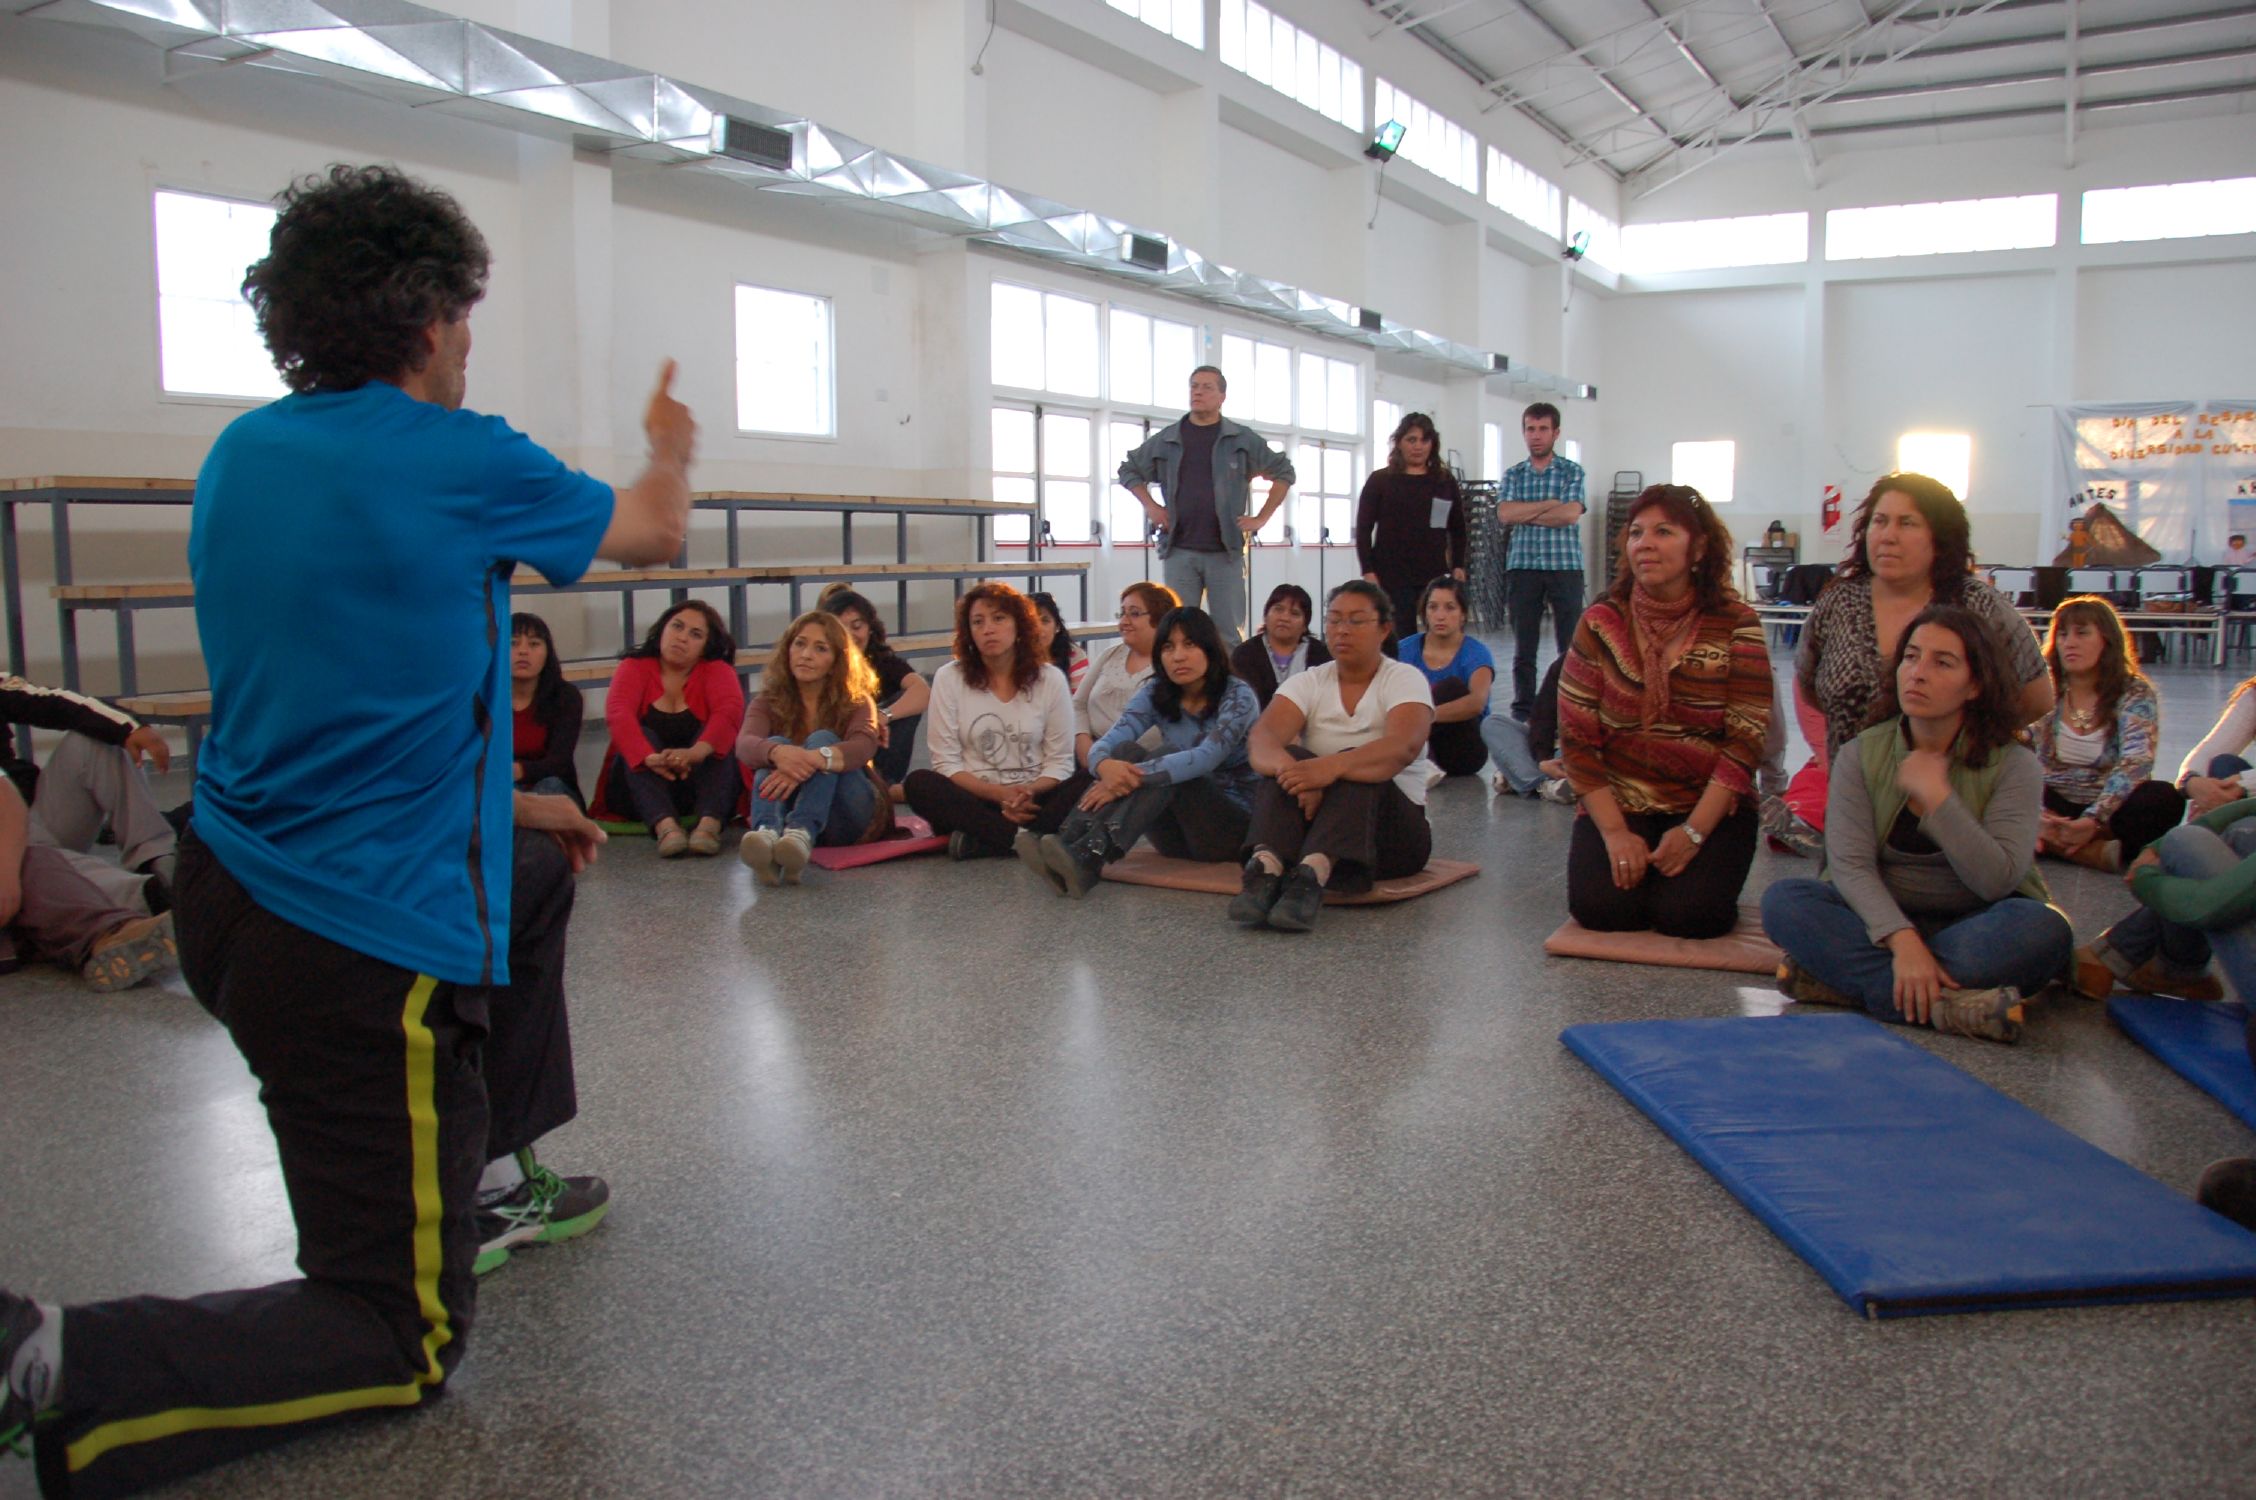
(2197, 853)
(1507, 741)
(1526, 592)
(1222, 577)
(833, 807)
(2018, 941)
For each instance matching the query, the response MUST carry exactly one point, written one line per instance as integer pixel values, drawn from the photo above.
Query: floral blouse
(1839, 665)
(2127, 760)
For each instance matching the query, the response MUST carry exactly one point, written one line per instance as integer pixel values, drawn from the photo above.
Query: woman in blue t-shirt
(1461, 672)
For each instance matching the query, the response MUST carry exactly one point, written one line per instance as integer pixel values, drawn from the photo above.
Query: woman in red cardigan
(674, 708)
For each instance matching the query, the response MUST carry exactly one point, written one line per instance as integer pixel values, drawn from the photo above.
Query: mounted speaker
(1369, 319)
(1499, 363)
(761, 145)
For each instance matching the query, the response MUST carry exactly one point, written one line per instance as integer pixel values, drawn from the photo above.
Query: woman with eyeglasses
(1118, 671)
(1664, 703)
(1341, 750)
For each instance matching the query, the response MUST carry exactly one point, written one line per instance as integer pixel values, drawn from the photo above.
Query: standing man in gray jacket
(1204, 466)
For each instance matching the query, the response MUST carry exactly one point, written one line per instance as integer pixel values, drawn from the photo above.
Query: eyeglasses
(1342, 622)
(1132, 614)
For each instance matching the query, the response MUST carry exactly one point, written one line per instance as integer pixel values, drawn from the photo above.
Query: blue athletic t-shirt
(1471, 657)
(351, 554)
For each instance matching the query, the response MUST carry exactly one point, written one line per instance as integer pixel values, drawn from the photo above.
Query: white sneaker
(791, 853)
(1435, 776)
(1558, 789)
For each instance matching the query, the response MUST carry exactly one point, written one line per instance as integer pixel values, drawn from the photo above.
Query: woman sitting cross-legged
(902, 692)
(1663, 704)
(1191, 798)
(2097, 744)
(808, 738)
(1932, 910)
(674, 709)
(1001, 732)
(1283, 645)
(1341, 754)
(546, 714)
(1460, 672)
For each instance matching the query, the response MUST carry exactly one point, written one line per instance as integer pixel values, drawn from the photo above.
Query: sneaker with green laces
(544, 1209)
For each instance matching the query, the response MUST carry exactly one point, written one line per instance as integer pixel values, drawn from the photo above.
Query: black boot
(1250, 907)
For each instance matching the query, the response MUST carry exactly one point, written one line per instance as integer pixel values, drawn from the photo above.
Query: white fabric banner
(2180, 474)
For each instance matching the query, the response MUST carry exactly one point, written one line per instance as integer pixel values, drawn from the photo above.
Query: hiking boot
(544, 1209)
(1074, 869)
(130, 953)
(2227, 1187)
(2151, 978)
(758, 853)
(1027, 845)
(792, 852)
(1993, 1014)
(2089, 976)
(19, 1320)
(1804, 988)
(1257, 892)
(1299, 902)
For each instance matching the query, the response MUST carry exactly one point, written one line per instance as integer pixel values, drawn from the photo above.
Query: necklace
(2082, 720)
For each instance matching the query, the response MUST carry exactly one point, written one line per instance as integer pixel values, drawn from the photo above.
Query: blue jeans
(1526, 592)
(2017, 941)
(1221, 575)
(1507, 741)
(834, 807)
(2197, 854)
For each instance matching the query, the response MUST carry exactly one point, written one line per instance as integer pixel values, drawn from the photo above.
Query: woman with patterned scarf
(1663, 704)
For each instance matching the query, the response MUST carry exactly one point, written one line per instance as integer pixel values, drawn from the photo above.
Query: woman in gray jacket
(1932, 911)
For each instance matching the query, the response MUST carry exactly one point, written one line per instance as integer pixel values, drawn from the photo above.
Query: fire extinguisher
(1830, 510)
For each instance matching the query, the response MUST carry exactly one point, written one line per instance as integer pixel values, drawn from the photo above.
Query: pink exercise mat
(911, 835)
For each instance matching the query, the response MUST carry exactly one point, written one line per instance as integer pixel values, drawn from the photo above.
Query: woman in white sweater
(2217, 770)
(1000, 729)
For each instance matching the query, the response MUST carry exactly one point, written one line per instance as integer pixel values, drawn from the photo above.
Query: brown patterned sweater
(1719, 709)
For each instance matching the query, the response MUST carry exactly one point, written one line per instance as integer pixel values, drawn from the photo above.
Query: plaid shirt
(1558, 548)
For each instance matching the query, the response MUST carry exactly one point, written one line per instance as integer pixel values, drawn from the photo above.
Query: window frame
(165, 395)
(830, 319)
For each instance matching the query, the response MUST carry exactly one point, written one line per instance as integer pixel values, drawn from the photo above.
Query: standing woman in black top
(1410, 521)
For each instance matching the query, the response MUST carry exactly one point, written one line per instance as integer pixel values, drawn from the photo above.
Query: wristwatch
(829, 758)
(1695, 835)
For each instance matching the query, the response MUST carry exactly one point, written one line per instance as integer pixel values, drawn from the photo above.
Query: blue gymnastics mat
(2203, 1042)
(1910, 1186)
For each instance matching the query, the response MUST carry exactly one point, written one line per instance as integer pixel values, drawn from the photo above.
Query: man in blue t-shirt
(344, 895)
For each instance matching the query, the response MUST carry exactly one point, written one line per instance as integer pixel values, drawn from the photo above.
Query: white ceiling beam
(2068, 108)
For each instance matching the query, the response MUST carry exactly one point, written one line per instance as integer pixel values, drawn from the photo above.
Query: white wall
(2157, 332)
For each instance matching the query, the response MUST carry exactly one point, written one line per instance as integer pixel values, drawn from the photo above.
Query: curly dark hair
(1688, 508)
(362, 260)
(1946, 520)
(1026, 662)
(1993, 717)
(1416, 421)
(719, 644)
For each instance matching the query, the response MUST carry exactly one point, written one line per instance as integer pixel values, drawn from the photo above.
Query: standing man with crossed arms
(1205, 466)
(1540, 498)
(344, 892)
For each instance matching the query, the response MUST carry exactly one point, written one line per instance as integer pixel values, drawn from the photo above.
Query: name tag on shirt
(1441, 510)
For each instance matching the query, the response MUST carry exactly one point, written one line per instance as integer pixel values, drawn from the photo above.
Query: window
(1184, 20)
(1013, 431)
(1324, 494)
(1947, 456)
(1704, 466)
(1434, 141)
(1384, 416)
(1712, 244)
(1259, 374)
(1042, 341)
(208, 342)
(1151, 359)
(1898, 229)
(1272, 51)
(1046, 461)
(1492, 450)
(1125, 523)
(1522, 192)
(1604, 247)
(2170, 211)
(1330, 398)
(784, 375)
(1571, 450)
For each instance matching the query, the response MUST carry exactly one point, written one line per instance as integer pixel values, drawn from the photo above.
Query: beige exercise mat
(1223, 878)
(1743, 950)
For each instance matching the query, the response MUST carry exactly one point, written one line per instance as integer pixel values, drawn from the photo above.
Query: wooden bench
(191, 710)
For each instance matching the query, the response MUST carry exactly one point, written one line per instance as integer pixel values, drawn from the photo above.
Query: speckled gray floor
(931, 1184)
